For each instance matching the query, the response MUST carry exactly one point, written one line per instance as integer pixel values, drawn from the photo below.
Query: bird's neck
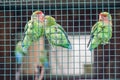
(107, 22)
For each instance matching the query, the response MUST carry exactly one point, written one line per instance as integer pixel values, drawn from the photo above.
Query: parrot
(19, 54)
(101, 32)
(55, 34)
(33, 29)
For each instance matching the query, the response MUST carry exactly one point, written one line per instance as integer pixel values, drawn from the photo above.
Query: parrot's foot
(36, 78)
(17, 75)
(39, 73)
(18, 72)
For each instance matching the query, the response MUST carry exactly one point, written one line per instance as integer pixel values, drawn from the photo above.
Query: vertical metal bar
(115, 37)
(85, 30)
(78, 33)
(5, 42)
(96, 56)
(56, 54)
(91, 14)
(50, 51)
(21, 25)
(15, 31)
(10, 16)
(67, 29)
(103, 66)
(109, 59)
(27, 19)
(62, 57)
(73, 34)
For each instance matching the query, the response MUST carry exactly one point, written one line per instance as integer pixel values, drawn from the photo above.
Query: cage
(77, 18)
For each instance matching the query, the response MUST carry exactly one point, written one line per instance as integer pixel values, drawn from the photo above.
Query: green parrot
(33, 29)
(55, 34)
(101, 32)
(19, 54)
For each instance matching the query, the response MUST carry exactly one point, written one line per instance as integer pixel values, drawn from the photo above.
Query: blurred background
(76, 17)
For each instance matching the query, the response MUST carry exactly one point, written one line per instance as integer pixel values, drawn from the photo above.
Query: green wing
(94, 40)
(100, 33)
(57, 36)
(97, 28)
(33, 31)
(94, 31)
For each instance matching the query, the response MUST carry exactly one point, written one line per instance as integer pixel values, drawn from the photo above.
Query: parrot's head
(49, 20)
(105, 16)
(38, 15)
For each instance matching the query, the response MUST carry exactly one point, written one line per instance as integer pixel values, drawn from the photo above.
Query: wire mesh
(77, 18)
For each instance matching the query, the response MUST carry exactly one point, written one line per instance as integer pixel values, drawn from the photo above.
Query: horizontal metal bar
(57, 6)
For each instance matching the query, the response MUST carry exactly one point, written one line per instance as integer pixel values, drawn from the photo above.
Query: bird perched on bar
(101, 32)
(55, 33)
